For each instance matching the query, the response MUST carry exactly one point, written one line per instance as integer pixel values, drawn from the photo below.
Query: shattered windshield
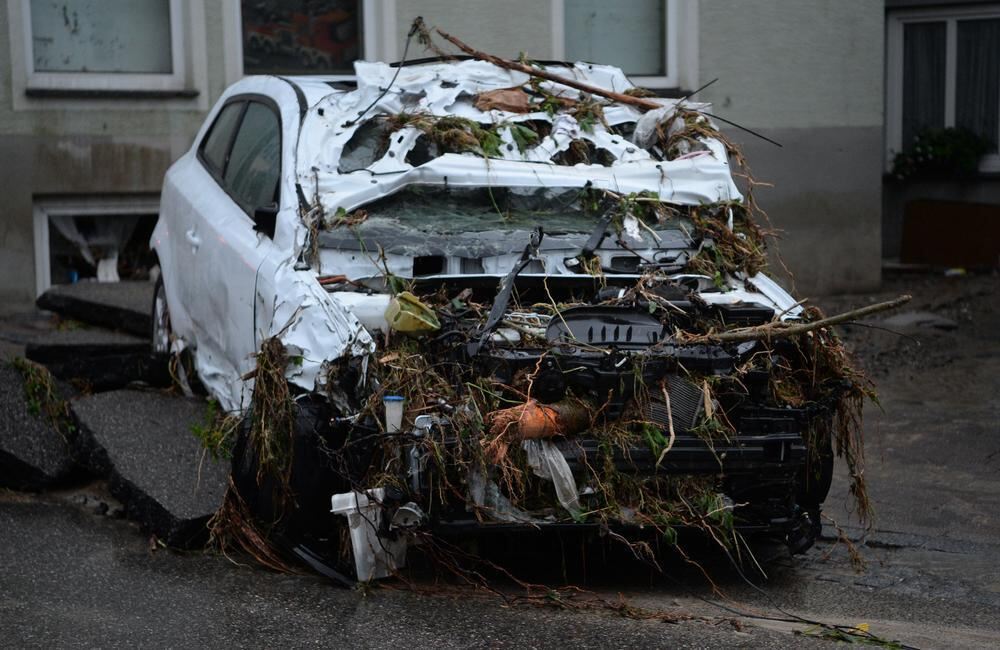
(485, 221)
(442, 210)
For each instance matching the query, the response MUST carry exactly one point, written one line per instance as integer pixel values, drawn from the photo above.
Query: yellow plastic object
(406, 313)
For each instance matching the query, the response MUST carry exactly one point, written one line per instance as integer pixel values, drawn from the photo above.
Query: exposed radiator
(686, 401)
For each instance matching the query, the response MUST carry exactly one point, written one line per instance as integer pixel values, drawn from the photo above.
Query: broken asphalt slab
(100, 359)
(143, 441)
(33, 454)
(116, 305)
(53, 346)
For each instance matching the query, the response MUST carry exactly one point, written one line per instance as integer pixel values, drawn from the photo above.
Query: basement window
(106, 240)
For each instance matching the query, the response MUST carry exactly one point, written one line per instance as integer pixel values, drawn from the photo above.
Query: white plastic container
(374, 557)
(369, 309)
(393, 412)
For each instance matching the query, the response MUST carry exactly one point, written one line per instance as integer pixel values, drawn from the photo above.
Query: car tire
(161, 334)
(307, 523)
(816, 475)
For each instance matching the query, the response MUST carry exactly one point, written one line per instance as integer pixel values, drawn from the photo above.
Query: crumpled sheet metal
(308, 321)
(450, 89)
(314, 329)
(757, 288)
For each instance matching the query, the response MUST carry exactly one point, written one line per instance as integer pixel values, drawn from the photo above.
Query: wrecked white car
(451, 296)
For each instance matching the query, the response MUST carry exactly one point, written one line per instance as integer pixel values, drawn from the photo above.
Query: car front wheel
(161, 333)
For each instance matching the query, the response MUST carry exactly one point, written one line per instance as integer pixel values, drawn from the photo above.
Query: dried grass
(43, 398)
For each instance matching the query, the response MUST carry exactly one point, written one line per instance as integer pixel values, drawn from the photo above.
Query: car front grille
(686, 401)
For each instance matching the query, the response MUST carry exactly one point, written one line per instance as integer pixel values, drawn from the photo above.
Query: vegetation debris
(43, 398)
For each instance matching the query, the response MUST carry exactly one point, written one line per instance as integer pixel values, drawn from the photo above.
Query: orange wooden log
(513, 100)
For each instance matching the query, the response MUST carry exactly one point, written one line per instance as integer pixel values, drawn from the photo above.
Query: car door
(187, 196)
(240, 258)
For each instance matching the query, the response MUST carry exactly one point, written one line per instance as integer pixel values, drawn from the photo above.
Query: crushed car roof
(335, 127)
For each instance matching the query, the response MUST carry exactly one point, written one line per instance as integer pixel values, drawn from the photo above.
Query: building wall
(502, 28)
(63, 147)
(809, 75)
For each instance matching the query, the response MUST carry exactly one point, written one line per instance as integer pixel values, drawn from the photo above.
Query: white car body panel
(449, 89)
(259, 293)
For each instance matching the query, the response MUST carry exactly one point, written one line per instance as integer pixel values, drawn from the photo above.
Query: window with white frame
(305, 36)
(944, 71)
(103, 45)
(639, 36)
(93, 237)
(301, 36)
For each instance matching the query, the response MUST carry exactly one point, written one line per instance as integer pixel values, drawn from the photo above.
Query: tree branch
(779, 329)
(638, 102)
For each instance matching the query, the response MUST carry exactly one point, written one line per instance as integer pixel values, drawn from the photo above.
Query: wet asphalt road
(76, 579)
(72, 578)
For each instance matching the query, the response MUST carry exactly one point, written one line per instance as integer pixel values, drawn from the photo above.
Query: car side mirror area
(265, 217)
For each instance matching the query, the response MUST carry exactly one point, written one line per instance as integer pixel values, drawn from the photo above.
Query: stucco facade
(67, 147)
(808, 74)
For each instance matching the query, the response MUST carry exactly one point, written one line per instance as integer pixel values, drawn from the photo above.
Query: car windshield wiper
(596, 237)
(506, 289)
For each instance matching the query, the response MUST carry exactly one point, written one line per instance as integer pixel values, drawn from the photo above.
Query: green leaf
(523, 136)
(490, 143)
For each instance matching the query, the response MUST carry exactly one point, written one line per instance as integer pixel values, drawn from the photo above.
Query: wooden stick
(670, 424)
(638, 102)
(783, 330)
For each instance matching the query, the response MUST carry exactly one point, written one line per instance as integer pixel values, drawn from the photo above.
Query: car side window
(254, 166)
(215, 147)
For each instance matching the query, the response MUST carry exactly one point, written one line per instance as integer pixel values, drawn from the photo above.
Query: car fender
(315, 329)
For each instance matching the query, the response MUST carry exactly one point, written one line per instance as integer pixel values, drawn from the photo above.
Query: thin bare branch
(781, 329)
(638, 102)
